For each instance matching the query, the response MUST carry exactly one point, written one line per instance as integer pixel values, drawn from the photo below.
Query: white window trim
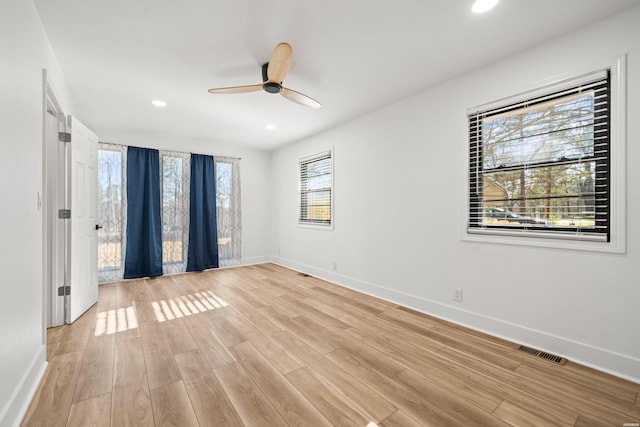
(326, 227)
(617, 243)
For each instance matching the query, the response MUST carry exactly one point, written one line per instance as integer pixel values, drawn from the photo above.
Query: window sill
(328, 227)
(555, 242)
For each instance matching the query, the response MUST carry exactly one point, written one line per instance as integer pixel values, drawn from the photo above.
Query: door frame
(53, 309)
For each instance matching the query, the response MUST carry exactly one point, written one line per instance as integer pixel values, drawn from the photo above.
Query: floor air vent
(543, 355)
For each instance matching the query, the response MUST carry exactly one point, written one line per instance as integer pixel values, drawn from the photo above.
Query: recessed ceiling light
(159, 103)
(481, 6)
(270, 127)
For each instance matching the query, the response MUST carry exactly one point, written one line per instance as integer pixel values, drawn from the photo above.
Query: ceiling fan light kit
(273, 74)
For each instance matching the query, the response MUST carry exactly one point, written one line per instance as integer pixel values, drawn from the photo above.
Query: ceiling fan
(273, 73)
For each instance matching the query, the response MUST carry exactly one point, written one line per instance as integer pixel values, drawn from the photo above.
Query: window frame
(327, 154)
(617, 173)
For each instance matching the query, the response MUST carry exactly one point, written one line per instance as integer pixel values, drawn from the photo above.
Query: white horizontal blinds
(316, 189)
(543, 163)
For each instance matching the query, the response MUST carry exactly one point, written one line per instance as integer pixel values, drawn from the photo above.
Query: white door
(83, 183)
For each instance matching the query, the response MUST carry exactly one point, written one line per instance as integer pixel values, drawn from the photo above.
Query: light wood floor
(266, 346)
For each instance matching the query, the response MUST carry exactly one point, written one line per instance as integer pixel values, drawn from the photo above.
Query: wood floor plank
(402, 397)
(161, 368)
(517, 416)
(126, 310)
(129, 364)
(463, 410)
(212, 405)
(585, 379)
(286, 287)
(278, 355)
(399, 419)
(369, 401)
(285, 307)
(329, 402)
(178, 336)
(292, 406)
(131, 403)
(277, 317)
(297, 348)
(594, 405)
(452, 376)
(144, 305)
(52, 402)
(515, 388)
(54, 337)
(606, 398)
(255, 300)
(217, 356)
(96, 371)
(354, 344)
(341, 312)
(107, 297)
(314, 334)
(193, 366)
(355, 300)
(258, 318)
(211, 347)
(454, 340)
(76, 335)
(94, 412)
(329, 322)
(172, 407)
(249, 401)
(223, 329)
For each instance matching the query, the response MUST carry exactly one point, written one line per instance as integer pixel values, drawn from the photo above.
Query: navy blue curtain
(203, 228)
(143, 257)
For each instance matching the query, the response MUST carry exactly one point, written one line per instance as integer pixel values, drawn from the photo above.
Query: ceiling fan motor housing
(271, 87)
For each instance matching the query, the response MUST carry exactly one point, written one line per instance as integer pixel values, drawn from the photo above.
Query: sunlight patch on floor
(112, 321)
(186, 305)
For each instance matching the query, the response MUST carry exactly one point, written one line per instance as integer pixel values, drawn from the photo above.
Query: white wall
(254, 179)
(24, 52)
(400, 189)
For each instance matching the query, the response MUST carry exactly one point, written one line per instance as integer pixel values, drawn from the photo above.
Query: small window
(316, 187)
(540, 167)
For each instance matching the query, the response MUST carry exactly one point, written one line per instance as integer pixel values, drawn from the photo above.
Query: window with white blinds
(541, 166)
(316, 188)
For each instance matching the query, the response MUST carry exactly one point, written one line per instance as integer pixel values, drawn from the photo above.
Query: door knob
(98, 226)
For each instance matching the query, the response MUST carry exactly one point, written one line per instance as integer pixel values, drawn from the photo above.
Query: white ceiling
(352, 56)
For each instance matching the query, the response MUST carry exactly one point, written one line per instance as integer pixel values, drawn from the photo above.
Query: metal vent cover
(543, 355)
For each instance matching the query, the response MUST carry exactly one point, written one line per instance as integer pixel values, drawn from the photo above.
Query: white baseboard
(16, 408)
(607, 361)
(255, 260)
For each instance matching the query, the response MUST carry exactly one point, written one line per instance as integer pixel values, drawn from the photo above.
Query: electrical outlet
(457, 295)
(335, 266)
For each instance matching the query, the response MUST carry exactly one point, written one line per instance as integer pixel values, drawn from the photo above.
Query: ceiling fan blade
(299, 98)
(237, 89)
(280, 62)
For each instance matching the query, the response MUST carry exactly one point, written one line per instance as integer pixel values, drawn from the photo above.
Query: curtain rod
(175, 151)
